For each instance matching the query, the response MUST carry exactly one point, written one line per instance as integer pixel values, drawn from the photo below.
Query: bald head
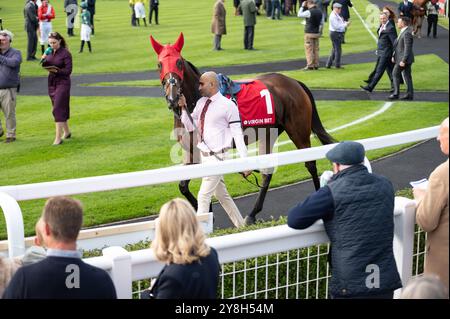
(209, 85)
(443, 136)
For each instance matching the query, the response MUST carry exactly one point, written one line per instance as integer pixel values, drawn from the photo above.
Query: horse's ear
(156, 45)
(180, 42)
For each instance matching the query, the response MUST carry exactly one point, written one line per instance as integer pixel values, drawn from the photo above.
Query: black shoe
(328, 66)
(56, 144)
(407, 97)
(367, 81)
(393, 97)
(32, 59)
(366, 88)
(306, 68)
(10, 139)
(68, 136)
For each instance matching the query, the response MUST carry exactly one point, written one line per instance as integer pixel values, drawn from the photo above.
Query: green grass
(118, 47)
(442, 21)
(115, 135)
(350, 78)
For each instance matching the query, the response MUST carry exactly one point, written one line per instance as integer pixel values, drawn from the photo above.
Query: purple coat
(59, 83)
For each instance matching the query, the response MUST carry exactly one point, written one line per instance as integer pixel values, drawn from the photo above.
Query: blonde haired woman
(192, 267)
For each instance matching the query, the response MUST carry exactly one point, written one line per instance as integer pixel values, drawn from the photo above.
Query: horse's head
(171, 71)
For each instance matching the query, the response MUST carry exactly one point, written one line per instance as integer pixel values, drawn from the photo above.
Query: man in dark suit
(403, 58)
(405, 9)
(154, 5)
(62, 275)
(386, 39)
(31, 26)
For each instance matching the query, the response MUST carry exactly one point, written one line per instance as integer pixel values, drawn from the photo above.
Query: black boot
(89, 46)
(82, 46)
(145, 22)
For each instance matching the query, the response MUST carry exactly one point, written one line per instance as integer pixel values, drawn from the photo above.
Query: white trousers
(215, 185)
(46, 29)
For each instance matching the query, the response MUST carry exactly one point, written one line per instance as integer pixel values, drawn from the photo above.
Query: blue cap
(347, 153)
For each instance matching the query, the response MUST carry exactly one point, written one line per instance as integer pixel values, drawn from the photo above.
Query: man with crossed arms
(218, 121)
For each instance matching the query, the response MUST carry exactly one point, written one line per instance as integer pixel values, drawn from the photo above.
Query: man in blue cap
(357, 209)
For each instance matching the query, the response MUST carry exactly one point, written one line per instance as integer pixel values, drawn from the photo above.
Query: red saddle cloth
(255, 104)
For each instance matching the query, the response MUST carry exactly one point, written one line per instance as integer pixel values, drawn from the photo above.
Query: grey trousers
(405, 72)
(217, 40)
(32, 42)
(336, 50)
(8, 106)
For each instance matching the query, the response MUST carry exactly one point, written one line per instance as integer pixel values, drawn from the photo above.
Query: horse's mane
(193, 67)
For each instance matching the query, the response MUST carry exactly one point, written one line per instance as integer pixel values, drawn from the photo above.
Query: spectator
(345, 12)
(9, 266)
(405, 9)
(91, 9)
(62, 275)
(325, 4)
(425, 287)
(387, 34)
(236, 4)
(154, 5)
(276, 7)
(249, 12)
(59, 66)
(432, 213)
(268, 8)
(218, 121)
(31, 26)
(46, 14)
(71, 8)
(357, 209)
(432, 17)
(10, 60)
(192, 267)
(313, 17)
(337, 28)
(133, 14)
(86, 28)
(403, 58)
(218, 24)
(258, 4)
(140, 12)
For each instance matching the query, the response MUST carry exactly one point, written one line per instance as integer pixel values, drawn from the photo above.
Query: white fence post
(14, 225)
(120, 271)
(404, 239)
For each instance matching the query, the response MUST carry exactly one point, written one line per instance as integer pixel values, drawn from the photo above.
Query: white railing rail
(14, 221)
(126, 267)
(177, 173)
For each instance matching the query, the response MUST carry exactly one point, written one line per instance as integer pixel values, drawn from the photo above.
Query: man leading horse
(217, 122)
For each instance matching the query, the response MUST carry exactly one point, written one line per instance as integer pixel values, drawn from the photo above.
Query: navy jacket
(56, 278)
(198, 280)
(357, 209)
(386, 40)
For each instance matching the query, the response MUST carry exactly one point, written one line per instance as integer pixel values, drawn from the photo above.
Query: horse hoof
(249, 220)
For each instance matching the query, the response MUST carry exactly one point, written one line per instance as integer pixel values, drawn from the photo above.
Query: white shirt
(337, 23)
(222, 123)
(304, 13)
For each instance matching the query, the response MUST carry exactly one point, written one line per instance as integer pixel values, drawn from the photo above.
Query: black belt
(222, 151)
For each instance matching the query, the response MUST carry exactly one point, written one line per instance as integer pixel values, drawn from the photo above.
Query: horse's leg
(184, 189)
(266, 143)
(302, 141)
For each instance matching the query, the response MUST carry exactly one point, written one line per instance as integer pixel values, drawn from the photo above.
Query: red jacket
(43, 10)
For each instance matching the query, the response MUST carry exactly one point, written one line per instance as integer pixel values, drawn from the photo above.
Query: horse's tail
(316, 125)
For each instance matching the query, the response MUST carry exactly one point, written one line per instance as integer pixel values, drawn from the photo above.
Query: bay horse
(295, 111)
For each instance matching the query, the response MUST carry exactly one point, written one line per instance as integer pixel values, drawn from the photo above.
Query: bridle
(172, 99)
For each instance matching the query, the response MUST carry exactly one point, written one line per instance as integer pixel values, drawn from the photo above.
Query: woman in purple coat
(58, 62)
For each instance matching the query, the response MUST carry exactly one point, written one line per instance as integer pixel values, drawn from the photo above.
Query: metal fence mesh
(295, 274)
